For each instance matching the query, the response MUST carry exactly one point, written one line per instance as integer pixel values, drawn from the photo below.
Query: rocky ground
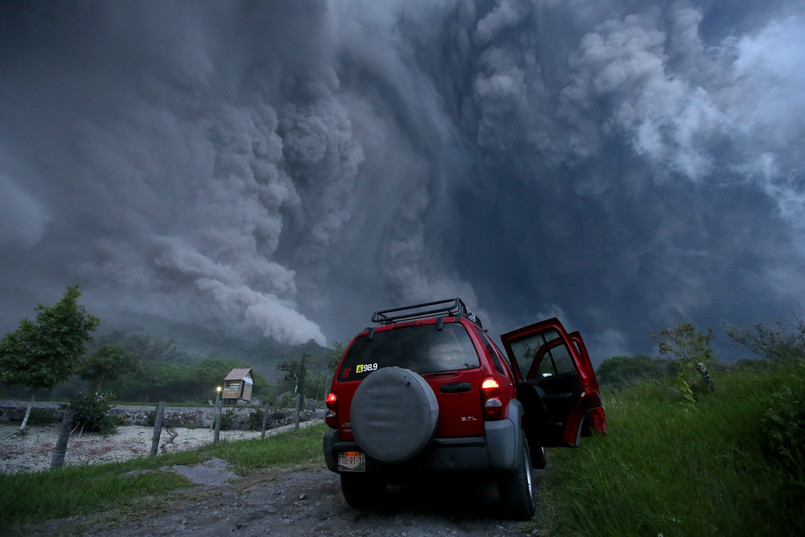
(34, 450)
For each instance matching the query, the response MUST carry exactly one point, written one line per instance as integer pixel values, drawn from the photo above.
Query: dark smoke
(287, 167)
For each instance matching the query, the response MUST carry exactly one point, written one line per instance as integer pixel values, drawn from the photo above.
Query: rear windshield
(421, 348)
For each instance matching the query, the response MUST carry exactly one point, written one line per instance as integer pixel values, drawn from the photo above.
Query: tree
(334, 357)
(783, 343)
(44, 352)
(108, 363)
(619, 371)
(691, 348)
(295, 373)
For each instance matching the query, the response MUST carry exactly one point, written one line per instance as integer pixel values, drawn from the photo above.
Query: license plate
(352, 461)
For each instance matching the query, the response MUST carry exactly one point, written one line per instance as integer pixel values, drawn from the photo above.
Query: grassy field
(77, 490)
(670, 467)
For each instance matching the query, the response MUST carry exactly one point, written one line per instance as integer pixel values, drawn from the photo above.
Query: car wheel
(517, 488)
(393, 414)
(362, 491)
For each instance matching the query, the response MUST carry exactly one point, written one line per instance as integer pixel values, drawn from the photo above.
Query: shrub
(784, 342)
(228, 420)
(91, 412)
(287, 400)
(622, 371)
(690, 350)
(255, 420)
(783, 426)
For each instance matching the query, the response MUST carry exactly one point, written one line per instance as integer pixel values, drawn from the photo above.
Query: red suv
(427, 391)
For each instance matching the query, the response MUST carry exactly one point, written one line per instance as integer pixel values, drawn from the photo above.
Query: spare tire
(394, 414)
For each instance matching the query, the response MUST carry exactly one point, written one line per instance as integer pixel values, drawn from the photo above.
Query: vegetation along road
(728, 463)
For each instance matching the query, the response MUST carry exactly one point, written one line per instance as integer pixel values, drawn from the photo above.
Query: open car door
(557, 384)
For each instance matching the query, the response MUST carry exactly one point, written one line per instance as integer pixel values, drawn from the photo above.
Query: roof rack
(452, 307)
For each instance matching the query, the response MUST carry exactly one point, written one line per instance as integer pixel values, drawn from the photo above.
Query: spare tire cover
(394, 414)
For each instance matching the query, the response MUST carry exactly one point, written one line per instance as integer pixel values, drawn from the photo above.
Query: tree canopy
(107, 363)
(620, 371)
(691, 349)
(46, 351)
(295, 373)
(785, 341)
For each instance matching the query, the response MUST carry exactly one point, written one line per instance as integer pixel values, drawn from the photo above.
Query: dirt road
(301, 503)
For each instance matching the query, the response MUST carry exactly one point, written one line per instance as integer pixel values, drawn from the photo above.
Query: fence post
(157, 428)
(217, 420)
(61, 444)
(298, 410)
(265, 422)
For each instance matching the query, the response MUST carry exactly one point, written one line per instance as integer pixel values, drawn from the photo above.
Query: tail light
(329, 415)
(490, 397)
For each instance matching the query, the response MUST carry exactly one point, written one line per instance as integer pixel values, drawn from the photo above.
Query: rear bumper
(498, 450)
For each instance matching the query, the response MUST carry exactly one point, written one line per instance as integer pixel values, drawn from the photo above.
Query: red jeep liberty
(427, 391)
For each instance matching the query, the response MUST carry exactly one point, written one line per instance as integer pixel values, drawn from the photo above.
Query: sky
(285, 168)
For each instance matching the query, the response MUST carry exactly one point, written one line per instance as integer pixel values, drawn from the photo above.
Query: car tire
(363, 492)
(393, 415)
(517, 488)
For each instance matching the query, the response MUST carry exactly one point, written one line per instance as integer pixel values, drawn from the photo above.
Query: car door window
(558, 359)
(525, 350)
(546, 350)
(545, 369)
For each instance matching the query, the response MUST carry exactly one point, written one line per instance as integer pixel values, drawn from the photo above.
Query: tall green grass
(75, 490)
(302, 447)
(675, 468)
(58, 494)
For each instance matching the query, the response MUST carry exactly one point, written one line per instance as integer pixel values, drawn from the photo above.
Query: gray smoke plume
(287, 167)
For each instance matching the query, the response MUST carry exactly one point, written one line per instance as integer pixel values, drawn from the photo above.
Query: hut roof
(239, 374)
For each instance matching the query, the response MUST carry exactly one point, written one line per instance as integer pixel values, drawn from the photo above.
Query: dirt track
(301, 503)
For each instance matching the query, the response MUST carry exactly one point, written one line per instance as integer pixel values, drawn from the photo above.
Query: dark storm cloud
(291, 166)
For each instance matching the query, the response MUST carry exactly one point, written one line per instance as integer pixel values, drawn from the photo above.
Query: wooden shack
(238, 386)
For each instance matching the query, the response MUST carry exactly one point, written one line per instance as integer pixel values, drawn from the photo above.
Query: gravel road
(301, 503)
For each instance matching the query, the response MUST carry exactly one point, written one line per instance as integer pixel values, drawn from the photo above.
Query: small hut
(238, 386)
